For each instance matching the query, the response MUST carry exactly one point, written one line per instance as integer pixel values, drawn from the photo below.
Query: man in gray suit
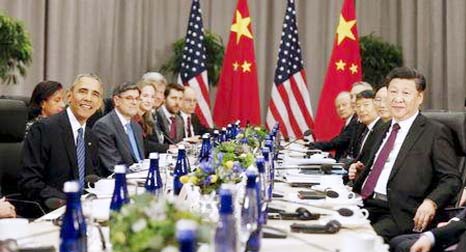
(168, 115)
(120, 137)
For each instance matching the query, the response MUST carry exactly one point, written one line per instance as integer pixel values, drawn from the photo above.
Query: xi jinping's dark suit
(426, 167)
(49, 158)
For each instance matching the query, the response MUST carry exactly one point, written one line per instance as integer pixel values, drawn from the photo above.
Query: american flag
(290, 104)
(193, 71)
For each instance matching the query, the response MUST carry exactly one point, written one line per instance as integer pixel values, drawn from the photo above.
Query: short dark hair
(125, 86)
(407, 73)
(42, 92)
(171, 86)
(366, 94)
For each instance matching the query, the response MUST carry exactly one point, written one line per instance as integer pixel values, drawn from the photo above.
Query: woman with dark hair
(46, 100)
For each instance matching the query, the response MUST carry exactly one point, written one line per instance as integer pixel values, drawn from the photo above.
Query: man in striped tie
(62, 148)
(120, 137)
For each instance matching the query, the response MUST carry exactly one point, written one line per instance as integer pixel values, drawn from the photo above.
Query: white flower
(139, 225)
(170, 249)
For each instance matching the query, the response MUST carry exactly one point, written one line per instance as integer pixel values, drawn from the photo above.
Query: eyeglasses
(130, 98)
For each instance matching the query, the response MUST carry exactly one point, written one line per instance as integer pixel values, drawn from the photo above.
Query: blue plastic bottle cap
(154, 155)
(71, 186)
(120, 169)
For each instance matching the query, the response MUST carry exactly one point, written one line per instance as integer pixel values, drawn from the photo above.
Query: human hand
(7, 210)
(424, 215)
(423, 244)
(354, 170)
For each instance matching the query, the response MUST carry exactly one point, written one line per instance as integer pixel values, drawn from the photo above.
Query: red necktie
(379, 163)
(173, 128)
(189, 127)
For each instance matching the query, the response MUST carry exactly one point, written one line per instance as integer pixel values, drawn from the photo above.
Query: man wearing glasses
(192, 124)
(120, 137)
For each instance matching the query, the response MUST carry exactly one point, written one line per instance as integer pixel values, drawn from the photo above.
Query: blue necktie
(81, 154)
(132, 141)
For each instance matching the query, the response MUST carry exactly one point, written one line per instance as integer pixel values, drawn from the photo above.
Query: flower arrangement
(149, 225)
(226, 164)
(252, 136)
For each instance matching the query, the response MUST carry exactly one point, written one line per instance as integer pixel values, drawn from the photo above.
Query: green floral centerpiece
(252, 136)
(148, 225)
(226, 164)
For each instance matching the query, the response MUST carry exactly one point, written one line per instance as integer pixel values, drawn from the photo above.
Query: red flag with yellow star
(343, 70)
(238, 92)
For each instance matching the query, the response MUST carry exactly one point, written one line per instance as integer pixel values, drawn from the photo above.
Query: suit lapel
(68, 141)
(414, 133)
(90, 145)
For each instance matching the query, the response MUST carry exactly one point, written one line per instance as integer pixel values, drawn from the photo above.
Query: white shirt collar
(75, 125)
(406, 124)
(184, 115)
(123, 120)
(372, 124)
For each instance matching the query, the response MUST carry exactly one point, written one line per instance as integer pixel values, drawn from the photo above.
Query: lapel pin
(89, 144)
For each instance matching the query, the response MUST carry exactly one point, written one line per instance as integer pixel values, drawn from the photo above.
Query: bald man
(341, 143)
(192, 124)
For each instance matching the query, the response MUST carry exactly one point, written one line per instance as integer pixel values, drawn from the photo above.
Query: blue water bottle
(205, 147)
(250, 229)
(223, 135)
(268, 173)
(186, 235)
(73, 233)
(181, 169)
(225, 233)
(216, 138)
(120, 192)
(154, 182)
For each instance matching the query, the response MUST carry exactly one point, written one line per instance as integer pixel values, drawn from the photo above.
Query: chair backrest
(456, 121)
(13, 117)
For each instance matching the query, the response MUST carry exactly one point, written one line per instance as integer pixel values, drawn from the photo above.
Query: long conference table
(43, 231)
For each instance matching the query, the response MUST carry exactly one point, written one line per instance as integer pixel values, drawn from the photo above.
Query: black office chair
(13, 118)
(456, 121)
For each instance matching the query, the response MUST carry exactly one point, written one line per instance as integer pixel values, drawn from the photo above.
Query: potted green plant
(15, 49)
(214, 50)
(378, 58)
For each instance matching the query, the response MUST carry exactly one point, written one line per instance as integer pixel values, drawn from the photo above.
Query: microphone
(331, 227)
(306, 133)
(300, 214)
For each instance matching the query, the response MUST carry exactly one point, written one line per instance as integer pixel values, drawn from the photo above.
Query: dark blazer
(164, 125)
(451, 233)
(340, 143)
(426, 167)
(198, 127)
(155, 141)
(356, 141)
(114, 145)
(49, 158)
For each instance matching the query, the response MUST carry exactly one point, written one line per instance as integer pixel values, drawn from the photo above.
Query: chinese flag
(238, 94)
(343, 70)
